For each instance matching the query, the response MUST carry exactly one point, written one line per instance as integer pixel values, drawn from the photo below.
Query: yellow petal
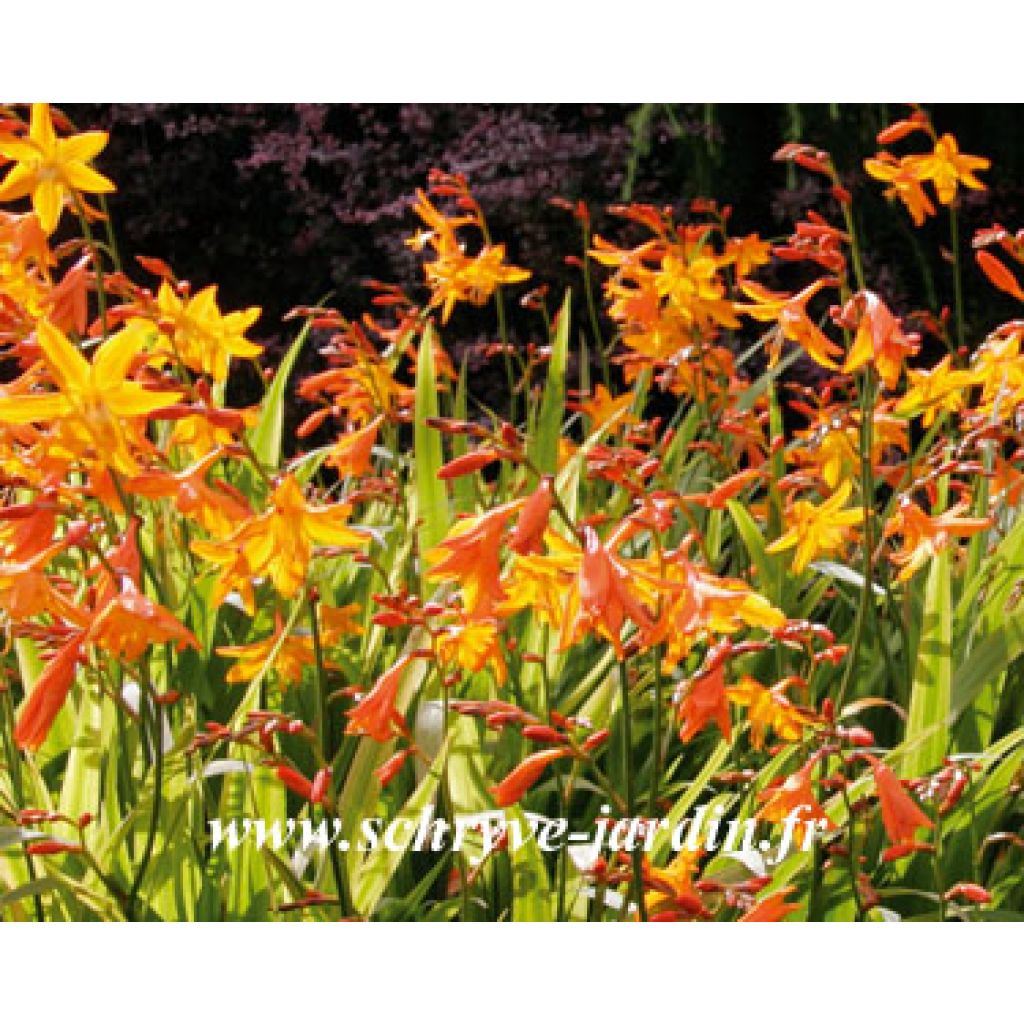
(83, 147)
(85, 179)
(20, 181)
(47, 200)
(32, 408)
(41, 128)
(67, 365)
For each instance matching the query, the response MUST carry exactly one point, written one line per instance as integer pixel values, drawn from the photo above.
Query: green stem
(636, 853)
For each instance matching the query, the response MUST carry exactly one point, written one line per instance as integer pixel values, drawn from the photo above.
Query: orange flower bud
(321, 785)
(969, 891)
(513, 787)
(466, 464)
(595, 740)
(48, 846)
(295, 781)
(542, 734)
(533, 519)
(392, 766)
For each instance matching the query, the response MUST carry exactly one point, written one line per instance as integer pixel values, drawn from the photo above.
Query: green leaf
(265, 438)
(431, 496)
(927, 733)
(543, 451)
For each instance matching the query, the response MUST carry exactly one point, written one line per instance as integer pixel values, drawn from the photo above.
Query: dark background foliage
(283, 204)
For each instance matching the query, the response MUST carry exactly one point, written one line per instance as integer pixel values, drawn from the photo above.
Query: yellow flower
(946, 167)
(277, 544)
(473, 646)
(769, 709)
(817, 528)
(904, 184)
(96, 407)
(940, 389)
(203, 337)
(293, 654)
(49, 169)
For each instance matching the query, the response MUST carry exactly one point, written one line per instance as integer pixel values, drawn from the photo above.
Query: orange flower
(794, 799)
(904, 184)
(790, 312)
(131, 623)
(879, 340)
(200, 335)
(513, 787)
(703, 699)
(470, 555)
(48, 695)
(375, 715)
(454, 276)
(769, 709)
(278, 544)
(940, 389)
(473, 645)
(218, 509)
(605, 597)
(900, 815)
(670, 894)
(288, 657)
(925, 536)
(352, 452)
(97, 409)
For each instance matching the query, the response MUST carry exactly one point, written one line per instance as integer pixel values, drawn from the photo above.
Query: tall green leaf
(543, 451)
(431, 497)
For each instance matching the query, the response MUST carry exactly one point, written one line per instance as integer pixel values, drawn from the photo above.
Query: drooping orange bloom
(696, 603)
(900, 815)
(470, 555)
(217, 508)
(606, 598)
(925, 536)
(130, 623)
(26, 590)
(50, 169)
(702, 700)
(772, 908)
(769, 708)
(790, 312)
(817, 528)
(48, 695)
(879, 341)
(376, 714)
(351, 454)
(200, 335)
(513, 787)
(278, 544)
